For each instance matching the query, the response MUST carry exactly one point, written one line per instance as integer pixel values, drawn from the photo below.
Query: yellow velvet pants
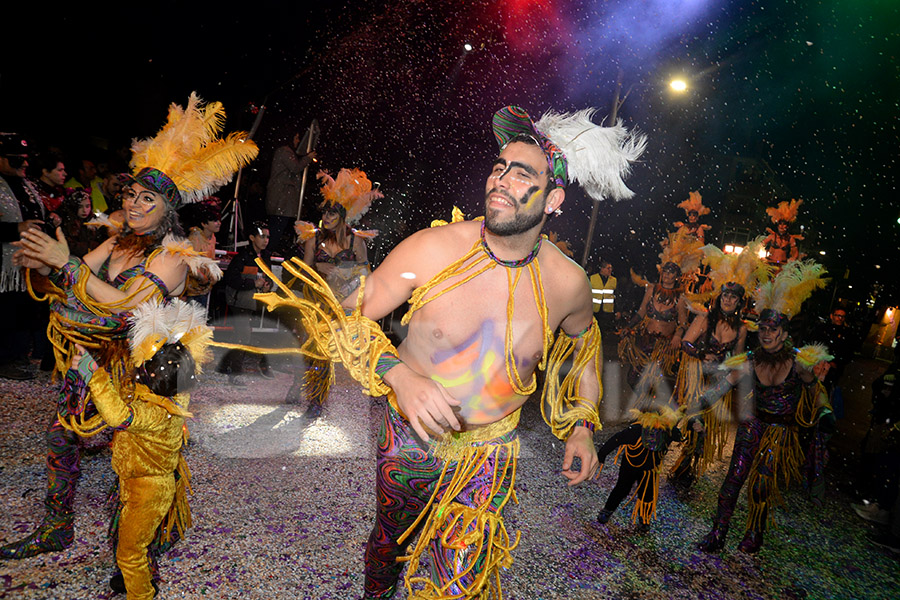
(145, 501)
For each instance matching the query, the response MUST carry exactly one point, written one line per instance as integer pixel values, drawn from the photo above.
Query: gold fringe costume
(644, 445)
(474, 531)
(146, 456)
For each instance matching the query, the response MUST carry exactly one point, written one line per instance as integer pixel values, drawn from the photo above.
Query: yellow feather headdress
(187, 161)
(684, 251)
(694, 203)
(746, 269)
(155, 324)
(790, 288)
(351, 190)
(785, 211)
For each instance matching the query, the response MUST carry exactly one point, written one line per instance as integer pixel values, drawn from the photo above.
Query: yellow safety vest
(604, 293)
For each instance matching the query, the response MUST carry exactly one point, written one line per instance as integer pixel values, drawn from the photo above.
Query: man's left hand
(580, 444)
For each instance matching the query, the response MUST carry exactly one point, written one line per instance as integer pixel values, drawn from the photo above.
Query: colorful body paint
(477, 369)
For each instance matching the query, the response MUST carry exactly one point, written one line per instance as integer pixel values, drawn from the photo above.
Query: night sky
(811, 88)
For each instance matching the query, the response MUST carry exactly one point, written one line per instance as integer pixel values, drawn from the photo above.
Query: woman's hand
(37, 245)
(20, 260)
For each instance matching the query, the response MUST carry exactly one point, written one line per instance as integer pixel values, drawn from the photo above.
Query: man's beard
(520, 223)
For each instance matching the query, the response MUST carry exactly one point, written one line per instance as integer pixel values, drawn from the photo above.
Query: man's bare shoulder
(566, 274)
(441, 243)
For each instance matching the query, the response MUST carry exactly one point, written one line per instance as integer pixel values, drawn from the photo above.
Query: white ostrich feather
(194, 260)
(168, 321)
(599, 158)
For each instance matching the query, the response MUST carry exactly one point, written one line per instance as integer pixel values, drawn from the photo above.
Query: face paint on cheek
(531, 196)
(151, 209)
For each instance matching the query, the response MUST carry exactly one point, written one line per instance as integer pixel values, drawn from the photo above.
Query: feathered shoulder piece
(664, 418)
(746, 269)
(812, 354)
(195, 261)
(304, 230)
(155, 324)
(113, 223)
(366, 234)
(351, 190)
(788, 290)
(684, 251)
(694, 203)
(456, 216)
(639, 280)
(599, 158)
(735, 362)
(785, 211)
(189, 152)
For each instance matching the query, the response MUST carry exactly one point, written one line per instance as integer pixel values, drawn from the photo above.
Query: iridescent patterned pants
(746, 446)
(405, 481)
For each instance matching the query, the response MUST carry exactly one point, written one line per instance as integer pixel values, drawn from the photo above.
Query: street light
(678, 85)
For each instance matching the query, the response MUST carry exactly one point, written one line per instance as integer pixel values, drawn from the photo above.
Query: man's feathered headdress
(782, 296)
(785, 211)
(187, 161)
(694, 203)
(155, 324)
(578, 150)
(351, 192)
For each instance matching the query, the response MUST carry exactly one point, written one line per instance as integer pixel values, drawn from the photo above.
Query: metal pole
(235, 217)
(309, 145)
(595, 209)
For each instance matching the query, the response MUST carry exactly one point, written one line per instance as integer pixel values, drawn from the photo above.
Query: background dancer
(650, 345)
(781, 245)
(712, 337)
(339, 254)
(693, 210)
(786, 395)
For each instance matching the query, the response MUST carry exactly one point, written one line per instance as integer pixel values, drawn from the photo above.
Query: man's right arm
(422, 401)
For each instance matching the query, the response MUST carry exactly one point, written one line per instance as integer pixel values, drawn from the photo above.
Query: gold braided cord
(537, 288)
(689, 385)
(467, 268)
(63, 333)
(563, 404)
(643, 509)
(354, 340)
(629, 351)
(457, 268)
(716, 422)
(690, 381)
(477, 535)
